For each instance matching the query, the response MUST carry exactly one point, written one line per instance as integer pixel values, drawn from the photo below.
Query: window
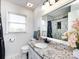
(16, 23)
(58, 25)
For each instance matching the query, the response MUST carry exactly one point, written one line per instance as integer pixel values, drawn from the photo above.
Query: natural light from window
(16, 23)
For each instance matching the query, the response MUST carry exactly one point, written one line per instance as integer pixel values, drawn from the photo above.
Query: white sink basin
(41, 45)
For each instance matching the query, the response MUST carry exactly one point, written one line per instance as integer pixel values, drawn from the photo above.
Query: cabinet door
(30, 54)
(36, 56)
(33, 54)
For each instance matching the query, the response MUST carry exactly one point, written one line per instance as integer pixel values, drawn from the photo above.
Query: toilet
(24, 51)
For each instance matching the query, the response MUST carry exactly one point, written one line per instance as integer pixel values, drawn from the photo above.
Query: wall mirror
(57, 22)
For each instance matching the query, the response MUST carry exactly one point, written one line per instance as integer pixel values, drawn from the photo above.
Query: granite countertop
(53, 51)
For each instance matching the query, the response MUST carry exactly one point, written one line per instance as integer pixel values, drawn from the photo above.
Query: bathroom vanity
(52, 51)
(33, 54)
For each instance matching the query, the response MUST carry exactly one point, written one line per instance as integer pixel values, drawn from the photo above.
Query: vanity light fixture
(46, 5)
(46, 2)
(51, 2)
(29, 4)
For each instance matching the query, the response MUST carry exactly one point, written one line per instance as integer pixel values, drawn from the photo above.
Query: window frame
(8, 22)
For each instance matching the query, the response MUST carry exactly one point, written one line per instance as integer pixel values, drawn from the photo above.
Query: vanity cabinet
(33, 54)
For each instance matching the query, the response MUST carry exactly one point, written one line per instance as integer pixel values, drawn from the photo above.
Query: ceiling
(23, 3)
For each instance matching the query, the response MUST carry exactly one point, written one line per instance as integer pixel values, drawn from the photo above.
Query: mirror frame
(53, 39)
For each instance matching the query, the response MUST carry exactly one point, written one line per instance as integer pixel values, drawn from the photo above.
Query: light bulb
(29, 4)
(43, 7)
(52, 2)
(47, 4)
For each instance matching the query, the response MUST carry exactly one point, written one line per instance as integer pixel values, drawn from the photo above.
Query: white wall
(73, 15)
(75, 5)
(20, 38)
(37, 18)
(43, 26)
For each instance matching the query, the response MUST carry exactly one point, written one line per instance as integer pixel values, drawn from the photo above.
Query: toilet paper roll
(12, 40)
